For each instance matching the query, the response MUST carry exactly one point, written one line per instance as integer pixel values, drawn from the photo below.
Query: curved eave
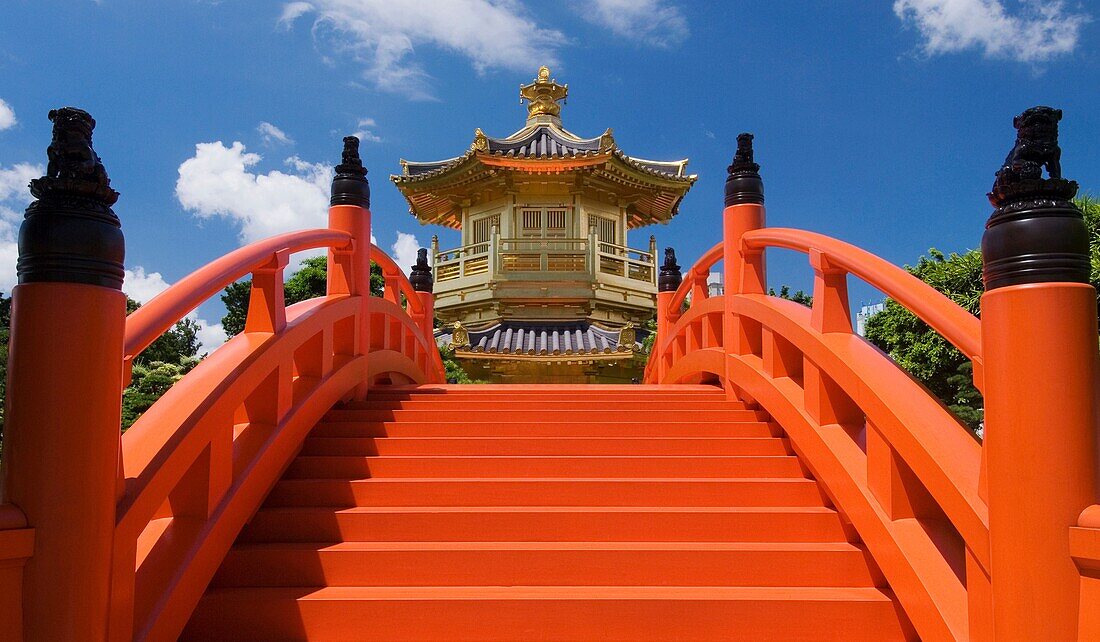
(654, 188)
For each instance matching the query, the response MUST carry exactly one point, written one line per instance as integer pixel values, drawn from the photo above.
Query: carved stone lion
(73, 167)
(1036, 146)
(670, 259)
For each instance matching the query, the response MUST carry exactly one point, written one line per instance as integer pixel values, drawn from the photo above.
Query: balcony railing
(588, 259)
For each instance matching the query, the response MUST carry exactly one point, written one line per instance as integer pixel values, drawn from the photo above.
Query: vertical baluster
(391, 291)
(266, 302)
(830, 308)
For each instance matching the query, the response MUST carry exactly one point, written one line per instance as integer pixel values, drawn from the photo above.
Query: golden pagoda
(544, 286)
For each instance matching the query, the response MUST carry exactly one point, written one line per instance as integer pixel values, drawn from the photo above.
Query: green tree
(179, 343)
(798, 297)
(310, 281)
(149, 381)
(929, 357)
(162, 364)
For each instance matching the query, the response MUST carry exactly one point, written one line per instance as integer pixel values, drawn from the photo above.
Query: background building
(545, 286)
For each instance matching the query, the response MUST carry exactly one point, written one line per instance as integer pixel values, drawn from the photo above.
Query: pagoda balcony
(581, 262)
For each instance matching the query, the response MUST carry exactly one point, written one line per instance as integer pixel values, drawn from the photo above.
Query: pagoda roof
(543, 148)
(533, 339)
(651, 189)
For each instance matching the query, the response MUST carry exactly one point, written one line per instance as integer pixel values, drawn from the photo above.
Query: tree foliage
(310, 281)
(929, 357)
(798, 297)
(162, 364)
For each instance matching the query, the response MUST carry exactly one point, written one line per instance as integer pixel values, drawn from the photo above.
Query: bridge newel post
(349, 211)
(1039, 349)
(668, 282)
(420, 276)
(744, 272)
(65, 371)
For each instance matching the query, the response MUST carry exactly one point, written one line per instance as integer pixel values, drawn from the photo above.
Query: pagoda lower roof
(534, 339)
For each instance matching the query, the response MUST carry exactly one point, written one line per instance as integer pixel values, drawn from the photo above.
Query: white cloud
(1039, 30)
(404, 250)
(273, 134)
(211, 335)
(382, 35)
(14, 198)
(141, 286)
(365, 133)
(218, 181)
(654, 22)
(7, 116)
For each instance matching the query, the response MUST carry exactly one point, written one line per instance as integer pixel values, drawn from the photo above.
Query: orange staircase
(547, 513)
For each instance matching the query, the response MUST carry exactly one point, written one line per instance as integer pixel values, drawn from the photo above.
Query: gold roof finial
(542, 96)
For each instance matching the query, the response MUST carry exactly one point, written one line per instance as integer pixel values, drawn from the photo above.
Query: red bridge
(776, 477)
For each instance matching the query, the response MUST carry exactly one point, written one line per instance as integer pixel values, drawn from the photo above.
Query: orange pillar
(349, 211)
(744, 212)
(62, 439)
(668, 282)
(1039, 345)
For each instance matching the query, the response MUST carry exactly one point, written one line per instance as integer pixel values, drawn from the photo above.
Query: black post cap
(1036, 234)
(744, 185)
(669, 278)
(421, 274)
(350, 186)
(70, 234)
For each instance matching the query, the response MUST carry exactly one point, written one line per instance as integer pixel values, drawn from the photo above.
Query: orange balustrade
(16, 546)
(891, 457)
(199, 462)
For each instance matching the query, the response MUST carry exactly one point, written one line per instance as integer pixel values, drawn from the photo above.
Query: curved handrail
(154, 318)
(705, 262)
(949, 319)
(198, 462)
(391, 269)
(910, 428)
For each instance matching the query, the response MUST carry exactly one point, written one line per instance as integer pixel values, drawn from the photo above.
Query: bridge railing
(200, 460)
(128, 530)
(940, 512)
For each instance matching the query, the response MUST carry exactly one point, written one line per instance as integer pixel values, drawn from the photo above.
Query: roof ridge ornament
(542, 96)
(607, 141)
(481, 141)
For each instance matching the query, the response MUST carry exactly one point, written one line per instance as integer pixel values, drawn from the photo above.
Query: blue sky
(878, 122)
